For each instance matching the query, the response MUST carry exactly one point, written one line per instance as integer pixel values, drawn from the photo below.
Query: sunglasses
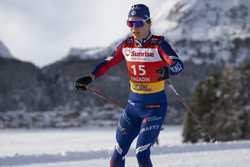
(135, 23)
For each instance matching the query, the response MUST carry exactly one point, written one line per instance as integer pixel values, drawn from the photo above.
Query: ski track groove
(104, 154)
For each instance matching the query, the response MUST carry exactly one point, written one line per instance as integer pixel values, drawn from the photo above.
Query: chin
(137, 37)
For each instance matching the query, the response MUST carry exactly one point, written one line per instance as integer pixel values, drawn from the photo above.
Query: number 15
(141, 70)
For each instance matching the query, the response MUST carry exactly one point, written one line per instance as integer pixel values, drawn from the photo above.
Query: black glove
(163, 73)
(82, 82)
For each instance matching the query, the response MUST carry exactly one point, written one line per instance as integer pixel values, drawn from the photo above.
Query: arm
(100, 69)
(170, 57)
(109, 62)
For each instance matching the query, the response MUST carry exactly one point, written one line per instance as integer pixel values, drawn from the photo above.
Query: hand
(83, 82)
(163, 73)
(176, 68)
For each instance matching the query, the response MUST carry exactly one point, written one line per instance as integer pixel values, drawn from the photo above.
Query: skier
(150, 59)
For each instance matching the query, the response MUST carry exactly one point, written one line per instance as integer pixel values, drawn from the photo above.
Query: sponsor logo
(176, 68)
(134, 53)
(133, 13)
(150, 119)
(142, 54)
(127, 52)
(152, 106)
(140, 79)
(141, 88)
(149, 128)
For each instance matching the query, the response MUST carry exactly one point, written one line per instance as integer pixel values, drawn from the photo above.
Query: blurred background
(45, 46)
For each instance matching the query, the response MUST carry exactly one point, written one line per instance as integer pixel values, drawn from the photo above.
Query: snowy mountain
(91, 53)
(207, 31)
(4, 51)
(204, 20)
(84, 54)
(22, 85)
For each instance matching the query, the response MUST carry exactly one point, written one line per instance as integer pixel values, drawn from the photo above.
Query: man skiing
(150, 59)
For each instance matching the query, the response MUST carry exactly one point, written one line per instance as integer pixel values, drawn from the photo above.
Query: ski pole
(103, 96)
(182, 101)
(108, 99)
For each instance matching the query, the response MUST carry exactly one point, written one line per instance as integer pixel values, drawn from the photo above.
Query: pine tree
(222, 105)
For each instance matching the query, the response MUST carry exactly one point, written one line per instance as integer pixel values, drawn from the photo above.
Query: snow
(203, 20)
(61, 118)
(89, 53)
(93, 146)
(244, 54)
(4, 51)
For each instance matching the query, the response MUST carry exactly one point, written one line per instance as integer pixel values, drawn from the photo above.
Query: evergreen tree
(221, 103)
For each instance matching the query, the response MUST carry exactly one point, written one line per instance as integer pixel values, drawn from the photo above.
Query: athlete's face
(139, 30)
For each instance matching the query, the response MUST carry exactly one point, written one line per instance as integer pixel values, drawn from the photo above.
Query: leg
(148, 134)
(128, 128)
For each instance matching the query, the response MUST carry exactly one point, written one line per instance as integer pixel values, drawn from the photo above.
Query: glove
(176, 68)
(82, 83)
(163, 73)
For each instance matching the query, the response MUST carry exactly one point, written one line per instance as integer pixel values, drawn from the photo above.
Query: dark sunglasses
(135, 23)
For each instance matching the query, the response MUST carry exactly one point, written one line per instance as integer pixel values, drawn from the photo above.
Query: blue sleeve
(109, 62)
(170, 56)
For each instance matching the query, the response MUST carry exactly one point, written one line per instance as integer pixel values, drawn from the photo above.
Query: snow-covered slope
(93, 146)
(203, 20)
(207, 31)
(92, 53)
(4, 51)
(89, 53)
